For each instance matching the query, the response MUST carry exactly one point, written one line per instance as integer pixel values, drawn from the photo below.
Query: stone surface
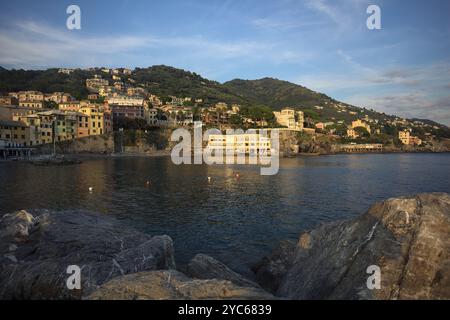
(271, 269)
(36, 251)
(171, 284)
(408, 238)
(206, 267)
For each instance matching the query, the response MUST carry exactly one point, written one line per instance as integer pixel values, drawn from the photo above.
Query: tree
(50, 105)
(362, 132)
(196, 113)
(236, 120)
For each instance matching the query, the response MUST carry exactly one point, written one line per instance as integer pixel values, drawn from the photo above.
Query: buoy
(91, 189)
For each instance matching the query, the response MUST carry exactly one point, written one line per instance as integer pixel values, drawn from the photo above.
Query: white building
(126, 101)
(290, 118)
(247, 143)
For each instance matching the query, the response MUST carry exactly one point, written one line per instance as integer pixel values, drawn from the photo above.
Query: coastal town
(114, 102)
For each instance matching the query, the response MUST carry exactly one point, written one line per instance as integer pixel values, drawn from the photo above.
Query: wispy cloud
(35, 44)
(409, 105)
(284, 24)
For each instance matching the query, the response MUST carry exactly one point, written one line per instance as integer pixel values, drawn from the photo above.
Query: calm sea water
(236, 220)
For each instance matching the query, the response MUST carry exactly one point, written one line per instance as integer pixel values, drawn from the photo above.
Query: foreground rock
(272, 269)
(35, 252)
(173, 285)
(408, 238)
(206, 267)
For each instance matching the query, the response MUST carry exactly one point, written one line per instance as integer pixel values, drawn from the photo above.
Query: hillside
(46, 81)
(164, 81)
(276, 93)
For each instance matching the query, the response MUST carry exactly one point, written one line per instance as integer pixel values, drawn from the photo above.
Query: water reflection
(235, 219)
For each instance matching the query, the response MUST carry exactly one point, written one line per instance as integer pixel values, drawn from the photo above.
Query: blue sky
(403, 69)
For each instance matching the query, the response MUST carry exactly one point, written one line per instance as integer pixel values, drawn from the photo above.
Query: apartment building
(151, 115)
(82, 124)
(45, 127)
(126, 101)
(9, 100)
(246, 143)
(58, 97)
(9, 112)
(28, 95)
(31, 104)
(407, 139)
(95, 120)
(94, 84)
(290, 118)
(16, 132)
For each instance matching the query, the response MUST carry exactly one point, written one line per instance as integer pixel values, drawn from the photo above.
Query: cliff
(100, 144)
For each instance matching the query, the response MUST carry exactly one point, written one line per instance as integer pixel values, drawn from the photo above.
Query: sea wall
(100, 144)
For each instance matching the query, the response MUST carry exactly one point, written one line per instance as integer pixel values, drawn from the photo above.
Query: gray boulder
(206, 267)
(35, 253)
(269, 272)
(407, 238)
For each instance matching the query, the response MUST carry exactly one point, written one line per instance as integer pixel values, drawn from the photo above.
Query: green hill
(46, 81)
(276, 93)
(164, 81)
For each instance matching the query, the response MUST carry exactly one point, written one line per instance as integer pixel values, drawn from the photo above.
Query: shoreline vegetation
(405, 237)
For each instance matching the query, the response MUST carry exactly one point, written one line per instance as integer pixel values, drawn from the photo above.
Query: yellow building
(63, 126)
(404, 136)
(69, 106)
(95, 120)
(45, 127)
(351, 133)
(16, 132)
(407, 139)
(33, 122)
(290, 118)
(360, 123)
(31, 104)
(82, 124)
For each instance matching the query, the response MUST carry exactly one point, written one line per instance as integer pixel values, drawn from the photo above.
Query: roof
(51, 112)
(11, 123)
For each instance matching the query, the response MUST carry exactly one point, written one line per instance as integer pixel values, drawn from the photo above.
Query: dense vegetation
(255, 96)
(276, 93)
(46, 81)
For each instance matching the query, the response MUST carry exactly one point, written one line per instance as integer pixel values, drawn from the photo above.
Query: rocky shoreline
(407, 238)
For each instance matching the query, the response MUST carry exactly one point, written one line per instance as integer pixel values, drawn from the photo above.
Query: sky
(325, 45)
